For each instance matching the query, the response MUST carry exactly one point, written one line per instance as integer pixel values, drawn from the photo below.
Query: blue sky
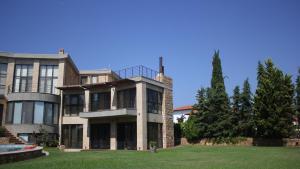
(118, 34)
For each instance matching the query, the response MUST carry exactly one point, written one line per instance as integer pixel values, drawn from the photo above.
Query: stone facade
(168, 126)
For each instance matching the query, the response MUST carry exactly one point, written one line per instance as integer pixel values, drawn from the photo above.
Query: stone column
(113, 135)
(35, 75)
(10, 76)
(167, 109)
(141, 117)
(60, 121)
(86, 100)
(86, 135)
(113, 98)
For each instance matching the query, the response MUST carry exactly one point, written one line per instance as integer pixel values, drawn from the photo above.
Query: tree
(297, 102)
(236, 111)
(246, 111)
(190, 129)
(273, 102)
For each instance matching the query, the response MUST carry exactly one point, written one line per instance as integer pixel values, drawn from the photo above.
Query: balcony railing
(138, 71)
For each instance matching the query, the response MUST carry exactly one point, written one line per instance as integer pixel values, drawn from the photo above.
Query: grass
(185, 157)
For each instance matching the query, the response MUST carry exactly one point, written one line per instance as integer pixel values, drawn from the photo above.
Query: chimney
(161, 67)
(61, 51)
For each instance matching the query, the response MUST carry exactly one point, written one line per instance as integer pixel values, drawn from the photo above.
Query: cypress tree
(273, 102)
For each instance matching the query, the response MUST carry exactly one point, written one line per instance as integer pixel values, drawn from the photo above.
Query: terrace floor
(185, 157)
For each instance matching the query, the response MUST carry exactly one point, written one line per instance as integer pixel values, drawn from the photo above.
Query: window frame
(126, 98)
(69, 107)
(46, 78)
(154, 101)
(96, 105)
(21, 77)
(3, 76)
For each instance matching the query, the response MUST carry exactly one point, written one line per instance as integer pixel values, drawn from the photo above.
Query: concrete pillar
(86, 135)
(10, 76)
(60, 121)
(141, 118)
(61, 73)
(113, 98)
(113, 135)
(35, 75)
(86, 100)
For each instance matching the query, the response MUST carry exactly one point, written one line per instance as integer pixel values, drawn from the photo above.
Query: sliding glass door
(72, 135)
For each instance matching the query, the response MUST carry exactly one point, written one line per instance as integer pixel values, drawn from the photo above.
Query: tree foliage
(273, 102)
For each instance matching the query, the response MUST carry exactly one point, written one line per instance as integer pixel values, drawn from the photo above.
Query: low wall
(14, 156)
(4, 140)
(249, 142)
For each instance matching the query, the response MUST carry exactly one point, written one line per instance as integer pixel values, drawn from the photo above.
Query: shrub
(190, 129)
(2, 132)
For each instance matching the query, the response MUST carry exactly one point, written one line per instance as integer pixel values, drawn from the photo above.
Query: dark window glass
(127, 98)
(154, 101)
(48, 79)
(73, 104)
(23, 78)
(10, 111)
(83, 79)
(100, 101)
(3, 74)
(72, 135)
(154, 132)
(48, 114)
(27, 112)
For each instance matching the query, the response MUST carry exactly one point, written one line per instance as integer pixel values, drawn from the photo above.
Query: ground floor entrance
(100, 136)
(126, 136)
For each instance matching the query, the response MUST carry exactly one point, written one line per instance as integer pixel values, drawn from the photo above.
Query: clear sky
(118, 34)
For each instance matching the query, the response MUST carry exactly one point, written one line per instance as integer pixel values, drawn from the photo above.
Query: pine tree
(297, 102)
(236, 111)
(246, 110)
(273, 102)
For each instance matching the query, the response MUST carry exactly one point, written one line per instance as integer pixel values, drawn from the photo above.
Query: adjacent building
(91, 109)
(182, 113)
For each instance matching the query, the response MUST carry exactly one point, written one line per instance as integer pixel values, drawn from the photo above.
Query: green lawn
(180, 157)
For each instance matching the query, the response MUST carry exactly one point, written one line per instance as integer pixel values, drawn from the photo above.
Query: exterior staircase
(12, 139)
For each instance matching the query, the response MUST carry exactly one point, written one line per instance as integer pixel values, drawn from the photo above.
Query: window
(23, 78)
(17, 113)
(38, 112)
(83, 79)
(3, 74)
(72, 135)
(126, 98)
(27, 112)
(73, 104)
(154, 132)
(154, 101)
(100, 101)
(48, 79)
(30, 112)
(94, 79)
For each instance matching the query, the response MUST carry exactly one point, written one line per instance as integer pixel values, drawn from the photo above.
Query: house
(182, 112)
(85, 109)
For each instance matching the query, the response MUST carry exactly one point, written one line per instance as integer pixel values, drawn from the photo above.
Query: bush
(2, 132)
(190, 129)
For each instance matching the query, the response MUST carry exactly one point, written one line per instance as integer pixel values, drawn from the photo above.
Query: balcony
(138, 71)
(109, 113)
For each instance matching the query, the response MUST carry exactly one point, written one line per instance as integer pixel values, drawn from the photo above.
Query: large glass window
(126, 98)
(100, 101)
(83, 79)
(3, 74)
(29, 112)
(72, 136)
(154, 101)
(23, 78)
(38, 112)
(73, 104)
(154, 132)
(48, 79)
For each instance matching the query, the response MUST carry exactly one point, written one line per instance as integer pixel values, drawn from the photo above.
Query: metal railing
(138, 71)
